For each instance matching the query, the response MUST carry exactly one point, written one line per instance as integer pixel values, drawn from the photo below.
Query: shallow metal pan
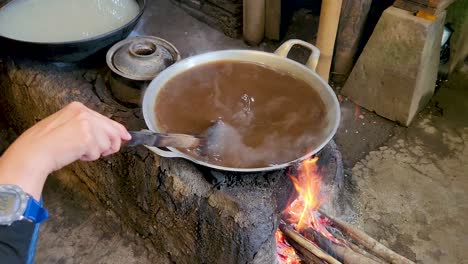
(279, 61)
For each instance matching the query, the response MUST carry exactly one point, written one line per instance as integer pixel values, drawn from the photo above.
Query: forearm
(73, 133)
(17, 169)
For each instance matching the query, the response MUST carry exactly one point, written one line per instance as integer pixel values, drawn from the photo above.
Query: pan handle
(163, 153)
(284, 49)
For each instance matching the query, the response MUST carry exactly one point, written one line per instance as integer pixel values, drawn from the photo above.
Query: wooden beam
(352, 22)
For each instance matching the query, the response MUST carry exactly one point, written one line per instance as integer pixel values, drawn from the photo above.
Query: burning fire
(307, 184)
(302, 212)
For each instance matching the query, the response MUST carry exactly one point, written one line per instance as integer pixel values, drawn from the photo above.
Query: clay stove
(331, 169)
(189, 213)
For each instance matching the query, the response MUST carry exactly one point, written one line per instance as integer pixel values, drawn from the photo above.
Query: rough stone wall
(167, 201)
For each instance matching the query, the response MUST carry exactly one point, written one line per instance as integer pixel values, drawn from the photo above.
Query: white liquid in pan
(64, 20)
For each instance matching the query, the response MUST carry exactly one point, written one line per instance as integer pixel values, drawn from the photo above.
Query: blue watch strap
(35, 212)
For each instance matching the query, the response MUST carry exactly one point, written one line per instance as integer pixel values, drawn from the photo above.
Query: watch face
(8, 203)
(13, 202)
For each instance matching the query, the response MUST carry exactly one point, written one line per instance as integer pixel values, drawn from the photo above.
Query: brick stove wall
(225, 15)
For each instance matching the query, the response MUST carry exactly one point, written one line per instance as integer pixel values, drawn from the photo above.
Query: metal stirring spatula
(150, 138)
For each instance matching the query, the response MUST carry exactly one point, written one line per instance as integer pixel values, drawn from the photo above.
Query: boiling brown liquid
(270, 117)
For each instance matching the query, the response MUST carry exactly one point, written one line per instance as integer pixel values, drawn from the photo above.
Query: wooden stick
(360, 250)
(307, 257)
(357, 248)
(293, 235)
(368, 242)
(340, 252)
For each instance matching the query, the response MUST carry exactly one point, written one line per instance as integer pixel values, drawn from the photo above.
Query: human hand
(73, 133)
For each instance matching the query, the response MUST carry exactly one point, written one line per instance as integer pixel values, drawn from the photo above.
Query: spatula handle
(149, 138)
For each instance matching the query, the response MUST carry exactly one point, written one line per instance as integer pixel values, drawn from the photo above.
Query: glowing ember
(286, 253)
(302, 211)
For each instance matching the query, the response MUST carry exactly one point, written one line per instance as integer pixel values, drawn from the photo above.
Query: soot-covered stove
(189, 213)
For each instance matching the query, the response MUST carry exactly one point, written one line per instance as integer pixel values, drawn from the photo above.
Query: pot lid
(141, 58)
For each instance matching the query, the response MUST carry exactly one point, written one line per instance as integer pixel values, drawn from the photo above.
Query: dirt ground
(412, 192)
(408, 186)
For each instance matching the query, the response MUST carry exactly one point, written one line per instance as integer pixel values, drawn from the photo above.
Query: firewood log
(368, 242)
(293, 235)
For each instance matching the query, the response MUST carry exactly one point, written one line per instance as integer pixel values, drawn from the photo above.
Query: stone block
(396, 73)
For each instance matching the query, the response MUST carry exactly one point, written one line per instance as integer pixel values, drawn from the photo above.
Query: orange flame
(302, 211)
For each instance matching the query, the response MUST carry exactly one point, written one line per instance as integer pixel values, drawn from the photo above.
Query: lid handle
(142, 49)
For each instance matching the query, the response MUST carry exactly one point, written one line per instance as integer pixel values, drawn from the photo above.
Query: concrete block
(396, 73)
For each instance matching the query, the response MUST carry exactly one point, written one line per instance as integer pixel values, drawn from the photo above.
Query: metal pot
(134, 62)
(70, 51)
(278, 61)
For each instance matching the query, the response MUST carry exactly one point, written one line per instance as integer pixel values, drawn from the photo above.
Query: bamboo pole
(254, 21)
(273, 19)
(326, 36)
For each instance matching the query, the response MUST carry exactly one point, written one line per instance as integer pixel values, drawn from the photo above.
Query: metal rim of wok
(99, 41)
(272, 60)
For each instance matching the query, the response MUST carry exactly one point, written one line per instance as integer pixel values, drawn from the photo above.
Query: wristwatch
(16, 205)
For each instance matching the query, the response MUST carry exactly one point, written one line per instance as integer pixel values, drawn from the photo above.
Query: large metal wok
(70, 51)
(279, 61)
